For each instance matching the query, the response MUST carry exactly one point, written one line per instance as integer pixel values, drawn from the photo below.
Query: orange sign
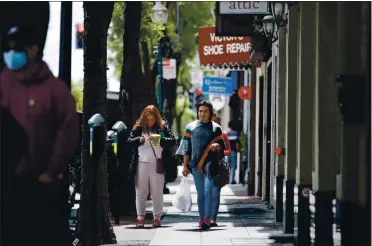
(220, 50)
(245, 93)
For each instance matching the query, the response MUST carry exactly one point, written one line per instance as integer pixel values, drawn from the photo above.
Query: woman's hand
(45, 178)
(152, 137)
(185, 171)
(215, 147)
(142, 139)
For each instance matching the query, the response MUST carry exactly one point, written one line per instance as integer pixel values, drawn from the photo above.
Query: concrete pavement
(242, 221)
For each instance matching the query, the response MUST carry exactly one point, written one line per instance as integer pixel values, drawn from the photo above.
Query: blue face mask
(15, 60)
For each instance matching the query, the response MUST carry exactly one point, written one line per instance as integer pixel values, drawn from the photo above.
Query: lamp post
(275, 19)
(159, 16)
(269, 28)
(277, 10)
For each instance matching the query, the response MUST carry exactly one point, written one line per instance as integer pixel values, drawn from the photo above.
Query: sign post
(169, 68)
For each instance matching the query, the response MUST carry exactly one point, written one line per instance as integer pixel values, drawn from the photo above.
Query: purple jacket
(44, 107)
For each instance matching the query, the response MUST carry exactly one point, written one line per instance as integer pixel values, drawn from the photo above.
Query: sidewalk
(242, 221)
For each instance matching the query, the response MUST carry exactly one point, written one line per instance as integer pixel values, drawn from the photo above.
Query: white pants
(147, 179)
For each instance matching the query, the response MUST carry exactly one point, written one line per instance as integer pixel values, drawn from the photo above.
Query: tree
(138, 72)
(77, 93)
(183, 115)
(135, 73)
(97, 17)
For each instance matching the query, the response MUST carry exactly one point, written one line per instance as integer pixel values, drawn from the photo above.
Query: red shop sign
(220, 50)
(245, 92)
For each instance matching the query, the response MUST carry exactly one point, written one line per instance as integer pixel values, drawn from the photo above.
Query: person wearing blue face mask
(39, 112)
(19, 48)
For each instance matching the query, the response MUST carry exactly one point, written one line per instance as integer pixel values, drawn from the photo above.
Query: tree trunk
(131, 74)
(97, 17)
(148, 74)
(146, 57)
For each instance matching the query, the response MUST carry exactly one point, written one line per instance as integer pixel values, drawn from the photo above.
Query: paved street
(242, 221)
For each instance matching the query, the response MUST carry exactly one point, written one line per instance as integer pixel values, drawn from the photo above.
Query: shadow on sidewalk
(147, 227)
(199, 230)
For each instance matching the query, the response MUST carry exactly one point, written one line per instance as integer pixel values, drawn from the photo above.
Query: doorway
(268, 135)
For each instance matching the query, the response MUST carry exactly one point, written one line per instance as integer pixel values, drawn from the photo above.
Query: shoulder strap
(153, 151)
(206, 152)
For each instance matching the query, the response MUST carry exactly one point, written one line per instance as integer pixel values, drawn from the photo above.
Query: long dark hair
(206, 104)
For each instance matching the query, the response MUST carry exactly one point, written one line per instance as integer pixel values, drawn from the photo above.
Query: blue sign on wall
(220, 85)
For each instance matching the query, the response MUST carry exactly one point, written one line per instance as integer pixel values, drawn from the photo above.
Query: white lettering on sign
(238, 48)
(213, 50)
(244, 7)
(214, 38)
(233, 48)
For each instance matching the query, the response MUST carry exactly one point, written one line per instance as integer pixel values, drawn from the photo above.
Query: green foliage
(150, 33)
(188, 115)
(192, 16)
(77, 93)
(115, 37)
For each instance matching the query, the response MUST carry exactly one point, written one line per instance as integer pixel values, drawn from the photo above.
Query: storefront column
(290, 157)
(327, 124)
(264, 176)
(352, 80)
(258, 132)
(280, 118)
(273, 123)
(305, 109)
(291, 116)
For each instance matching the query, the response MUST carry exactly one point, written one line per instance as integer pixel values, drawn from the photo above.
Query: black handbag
(159, 162)
(223, 174)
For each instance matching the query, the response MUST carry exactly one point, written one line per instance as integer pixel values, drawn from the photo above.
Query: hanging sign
(243, 7)
(169, 68)
(245, 92)
(218, 85)
(305, 192)
(218, 102)
(216, 50)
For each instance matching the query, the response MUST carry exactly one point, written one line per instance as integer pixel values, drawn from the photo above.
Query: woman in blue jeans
(197, 149)
(216, 192)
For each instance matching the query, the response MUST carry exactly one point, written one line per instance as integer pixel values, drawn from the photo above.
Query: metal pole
(177, 23)
(65, 43)
(160, 80)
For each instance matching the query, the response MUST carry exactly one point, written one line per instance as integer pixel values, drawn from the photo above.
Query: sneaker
(205, 224)
(213, 224)
(156, 223)
(140, 223)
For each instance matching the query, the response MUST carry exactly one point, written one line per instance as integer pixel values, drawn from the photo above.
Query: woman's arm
(134, 138)
(168, 141)
(221, 142)
(227, 150)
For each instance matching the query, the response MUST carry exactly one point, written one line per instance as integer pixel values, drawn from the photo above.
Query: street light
(269, 27)
(277, 10)
(159, 16)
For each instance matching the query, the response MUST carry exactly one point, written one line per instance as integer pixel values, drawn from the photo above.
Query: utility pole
(65, 43)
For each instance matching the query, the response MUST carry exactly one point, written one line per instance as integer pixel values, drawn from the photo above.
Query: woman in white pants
(151, 141)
